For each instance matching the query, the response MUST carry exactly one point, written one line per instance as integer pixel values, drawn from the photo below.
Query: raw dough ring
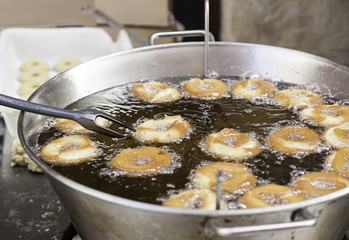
(141, 161)
(252, 88)
(236, 177)
(66, 63)
(232, 145)
(201, 199)
(326, 115)
(34, 64)
(72, 127)
(69, 150)
(205, 89)
(34, 76)
(155, 92)
(166, 130)
(270, 195)
(319, 183)
(337, 136)
(297, 98)
(294, 141)
(339, 161)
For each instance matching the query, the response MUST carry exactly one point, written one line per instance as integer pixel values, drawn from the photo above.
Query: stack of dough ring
(69, 150)
(232, 145)
(339, 161)
(155, 92)
(235, 177)
(294, 141)
(319, 183)
(66, 63)
(72, 127)
(252, 88)
(298, 98)
(34, 73)
(270, 195)
(141, 161)
(326, 115)
(202, 199)
(337, 136)
(166, 130)
(205, 89)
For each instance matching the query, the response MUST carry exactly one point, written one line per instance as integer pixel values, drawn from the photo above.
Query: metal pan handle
(188, 33)
(215, 225)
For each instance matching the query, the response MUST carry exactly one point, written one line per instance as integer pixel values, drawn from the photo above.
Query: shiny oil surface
(256, 118)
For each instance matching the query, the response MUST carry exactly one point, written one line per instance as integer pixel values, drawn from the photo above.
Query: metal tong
(85, 117)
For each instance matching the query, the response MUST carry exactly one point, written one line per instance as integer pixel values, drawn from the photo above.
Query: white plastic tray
(49, 44)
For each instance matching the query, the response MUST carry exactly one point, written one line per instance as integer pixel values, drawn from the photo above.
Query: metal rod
(207, 21)
(219, 189)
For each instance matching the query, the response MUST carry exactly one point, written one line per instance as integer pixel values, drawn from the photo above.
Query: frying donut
(294, 141)
(34, 76)
(339, 161)
(252, 88)
(34, 64)
(326, 115)
(72, 127)
(337, 136)
(155, 92)
(236, 177)
(202, 199)
(232, 145)
(205, 89)
(166, 130)
(270, 195)
(319, 183)
(65, 63)
(297, 98)
(141, 161)
(69, 150)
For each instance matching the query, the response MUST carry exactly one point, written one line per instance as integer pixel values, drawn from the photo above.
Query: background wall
(320, 27)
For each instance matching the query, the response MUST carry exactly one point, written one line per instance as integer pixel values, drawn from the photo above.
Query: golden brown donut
(72, 127)
(270, 195)
(34, 64)
(205, 89)
(166, 130)
(155, 92)
(141, 161)
(66, 63)
(34, 76)
(319, 183)
(69, 150)
(297, 98)
(236, 177)
(326, 115)
(294, 141)
(337, 136)
(252, 88)
(339, 162)
(232, 145)
(201, 199)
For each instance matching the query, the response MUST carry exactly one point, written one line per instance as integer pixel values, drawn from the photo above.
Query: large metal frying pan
(97, 215)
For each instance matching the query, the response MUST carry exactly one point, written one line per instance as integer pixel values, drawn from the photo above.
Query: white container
(50, 45)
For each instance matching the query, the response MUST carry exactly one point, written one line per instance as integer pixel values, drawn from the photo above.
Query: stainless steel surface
(85, 117)
(97, 215)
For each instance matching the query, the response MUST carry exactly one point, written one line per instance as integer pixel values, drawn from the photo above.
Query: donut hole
(231, 141)
(330, 113)
(296, 137)
(323, 185)
(271, 199)
(205, 86)
(194, 202)
(252, 86)
(151, 89)
(141, 160)
(226, 176)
